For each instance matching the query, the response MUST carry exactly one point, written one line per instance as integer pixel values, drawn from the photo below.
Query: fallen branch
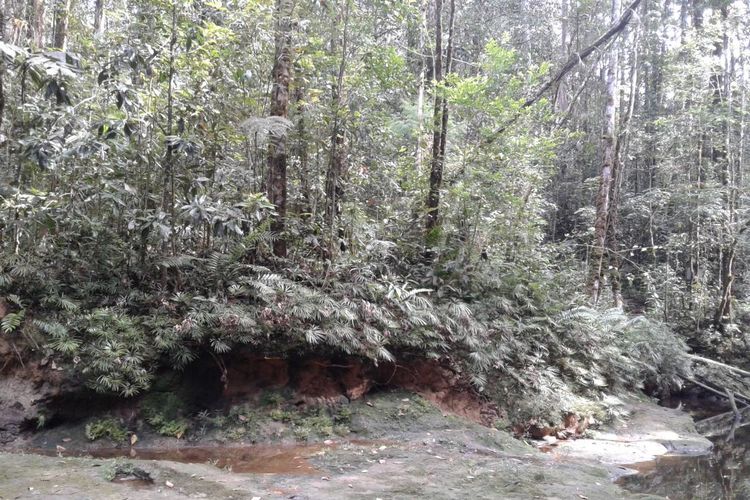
(717, 363)
(723, 423)
(724, 394)
(573, 60)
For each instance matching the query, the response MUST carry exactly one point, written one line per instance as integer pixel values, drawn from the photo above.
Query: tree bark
(301, 146)
(722, 99)
(337, 163)
(62, 13)
(277, 154)
(168, 196)
(419, 154)
(436, 165)
(440, 117)
(36, 21)
(98, 17)
(609, 145)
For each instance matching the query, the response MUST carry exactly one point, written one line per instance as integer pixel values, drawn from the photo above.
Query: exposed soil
(412, 449)
(306, 428)
(321, 381)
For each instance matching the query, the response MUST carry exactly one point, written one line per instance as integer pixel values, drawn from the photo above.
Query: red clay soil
(317, 380)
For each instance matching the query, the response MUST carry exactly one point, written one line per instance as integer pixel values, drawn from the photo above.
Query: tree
(439, 117)
(338, 155)
(604, 205)
(277, 154)
(60, 32)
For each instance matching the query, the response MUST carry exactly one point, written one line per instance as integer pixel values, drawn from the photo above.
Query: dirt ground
(398, 447)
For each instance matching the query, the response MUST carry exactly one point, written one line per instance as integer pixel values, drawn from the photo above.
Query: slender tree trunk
(722, 101)
(561, 95)
(609, 145)
(98, 17)
(277, 154)
(62, 13)
(337, 163)
(436, 166)
(168, 196)
(419, 156)
(448, 69)
(36, 21)
(440, 120)
(302, 138)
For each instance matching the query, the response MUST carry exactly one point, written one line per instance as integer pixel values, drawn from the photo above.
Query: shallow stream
(723, 474)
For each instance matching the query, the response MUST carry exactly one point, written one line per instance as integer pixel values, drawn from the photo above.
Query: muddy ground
(395, 445)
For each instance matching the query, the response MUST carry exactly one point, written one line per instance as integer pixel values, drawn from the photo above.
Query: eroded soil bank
(398, 445)
(412, 450)
(311, 428)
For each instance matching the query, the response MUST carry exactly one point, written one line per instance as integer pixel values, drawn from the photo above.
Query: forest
(548, 196)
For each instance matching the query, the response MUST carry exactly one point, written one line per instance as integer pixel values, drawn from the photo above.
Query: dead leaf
(133, 439)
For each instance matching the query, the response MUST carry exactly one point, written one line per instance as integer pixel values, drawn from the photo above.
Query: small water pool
(724, 474)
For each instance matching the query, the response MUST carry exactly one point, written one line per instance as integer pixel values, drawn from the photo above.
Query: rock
(649, 432)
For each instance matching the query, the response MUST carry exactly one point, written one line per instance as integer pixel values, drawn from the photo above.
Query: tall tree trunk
(98, 17)
(301, 149)
(722, 102)
(36, 24)
(168, 196)
(277, 154)
(62, 13)
(439, 119)
(419, 156)
(436, 165)
(561, 94)
(618, 175)
(609, 145)
(337, 162)
(448, 69)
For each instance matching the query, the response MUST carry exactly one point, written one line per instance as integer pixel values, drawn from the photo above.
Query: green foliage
(164, 411)
(108, 427)
(136, 232)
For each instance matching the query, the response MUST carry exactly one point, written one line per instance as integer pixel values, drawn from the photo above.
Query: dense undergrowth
(517, 340)
(137, 233)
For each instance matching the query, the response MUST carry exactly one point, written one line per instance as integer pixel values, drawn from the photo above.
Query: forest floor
(399, 446)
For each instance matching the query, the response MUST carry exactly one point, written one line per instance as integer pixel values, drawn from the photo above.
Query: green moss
(343, 415)
(301, 433)
(410, 408)
(321, 425)
(106, 427)
(272, 398)
(236, 433)
(282, 416)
